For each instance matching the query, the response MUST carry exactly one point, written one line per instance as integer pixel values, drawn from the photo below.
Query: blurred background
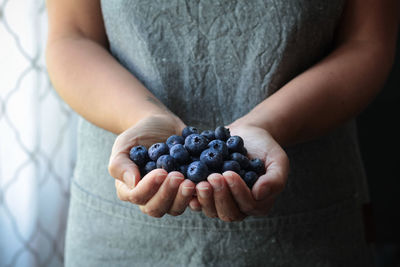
(37, 143)
(37, 149)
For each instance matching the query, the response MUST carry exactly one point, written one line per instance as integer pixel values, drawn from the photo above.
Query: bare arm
(85, 74)
(342, 84)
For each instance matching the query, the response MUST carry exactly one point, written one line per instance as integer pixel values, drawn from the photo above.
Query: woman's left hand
(227, 196)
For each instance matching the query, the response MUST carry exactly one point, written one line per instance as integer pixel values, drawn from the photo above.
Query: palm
(153, 130)
(257, 141)
(260, 144)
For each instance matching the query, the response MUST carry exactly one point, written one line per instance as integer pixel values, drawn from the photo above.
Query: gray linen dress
(210, 62)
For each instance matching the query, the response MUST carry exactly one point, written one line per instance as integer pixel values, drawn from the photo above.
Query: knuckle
(234, 218)
(119, 196)
(226, 218)
(135, 199)
(154, 212)
(113, 168)
(248, 208)
(212, 215)
(164, 197)
(175, 212)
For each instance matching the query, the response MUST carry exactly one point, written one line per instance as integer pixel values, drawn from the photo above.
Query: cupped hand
(227, 196)
(158, 192)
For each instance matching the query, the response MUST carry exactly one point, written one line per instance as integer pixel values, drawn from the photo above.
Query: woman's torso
(211, 62)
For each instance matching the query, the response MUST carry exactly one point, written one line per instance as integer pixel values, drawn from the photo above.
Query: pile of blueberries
(196, 155)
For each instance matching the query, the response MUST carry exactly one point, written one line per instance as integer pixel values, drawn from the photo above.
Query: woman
(288, 77)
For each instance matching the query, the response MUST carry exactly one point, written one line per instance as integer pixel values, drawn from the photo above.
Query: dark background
(379, 137)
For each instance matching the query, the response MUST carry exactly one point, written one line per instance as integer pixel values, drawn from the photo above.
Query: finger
(227, 209)
(148, 186)
(162, 201)
(123, 192)
(194, 204)
(240, 192)
(185, 194)
(206, 199)
(121, 167)
(274, 180)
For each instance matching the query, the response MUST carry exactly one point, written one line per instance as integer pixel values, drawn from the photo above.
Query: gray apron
(211, 62)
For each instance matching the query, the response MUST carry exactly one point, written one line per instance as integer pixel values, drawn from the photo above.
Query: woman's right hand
(158, 192)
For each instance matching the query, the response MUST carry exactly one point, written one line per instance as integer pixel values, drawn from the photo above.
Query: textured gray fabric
(211, 62)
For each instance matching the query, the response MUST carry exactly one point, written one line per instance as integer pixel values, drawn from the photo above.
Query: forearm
(324, 96)
(96, 86)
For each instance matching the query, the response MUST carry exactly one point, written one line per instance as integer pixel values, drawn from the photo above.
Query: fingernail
(203, 192)
(187, 191)
(264, 192)
(129, 179)
(229, 179)
(216, 183)
(175, 181)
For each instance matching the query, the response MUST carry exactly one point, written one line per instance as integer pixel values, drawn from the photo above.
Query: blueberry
(194, 158)
(250, 178)
(158, 149)
(241, 159)
(231, 165)
(138, 154)
(183, 169)
(142, 171)
(151, 165)
(175, 139)
(257, 166)
(235, 144)
(195, 144)
(188, 130)
(222, 133)
(212, 158)
(209, 134)
(167, 163)
(242, 173)
(179, 153)
(243, 151)
(220, 146)
(197, 171)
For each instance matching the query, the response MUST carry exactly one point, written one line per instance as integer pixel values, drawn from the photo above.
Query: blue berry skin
(257, 166)
(167, 163)
(231, 165)
(183, 169)
(235, 144)
(209, 134)
(175, 139)
(194, 158)
(197, 172)
(242, 173)
(188, 130)
(151, 165)
(158, 149)
(179, 153)
(241, 159)
(222, 133)
(195, 144)
(213, 159)
(243, 151)
(220, 146)
(250, 178)
(138, 154)
(142, 172)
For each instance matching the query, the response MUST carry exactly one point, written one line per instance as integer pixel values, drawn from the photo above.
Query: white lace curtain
(37, 142)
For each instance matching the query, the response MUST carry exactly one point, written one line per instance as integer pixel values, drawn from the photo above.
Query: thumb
(273, 181)
(121, 167)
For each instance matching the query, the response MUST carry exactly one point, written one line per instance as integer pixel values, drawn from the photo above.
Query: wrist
(162, 115)
(259, 121)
